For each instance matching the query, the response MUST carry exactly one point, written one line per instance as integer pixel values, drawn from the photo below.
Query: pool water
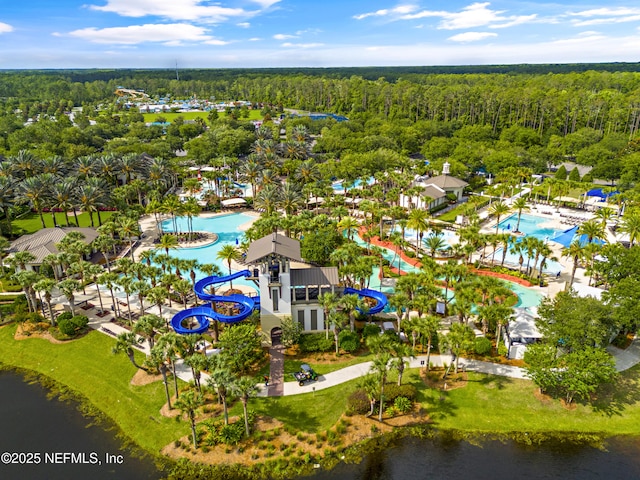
(227, 227)
(529, 225)
(339, 187)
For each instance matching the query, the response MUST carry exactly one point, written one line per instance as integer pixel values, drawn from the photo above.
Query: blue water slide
(243, 305)
(379, 297)
(202, 316)
(201, 285)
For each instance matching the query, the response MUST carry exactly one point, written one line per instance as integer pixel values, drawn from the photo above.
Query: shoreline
(89, 408)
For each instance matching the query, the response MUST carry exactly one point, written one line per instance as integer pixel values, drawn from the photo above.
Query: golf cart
(306, 374)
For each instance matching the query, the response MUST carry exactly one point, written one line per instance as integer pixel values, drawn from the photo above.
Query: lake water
(33, 423)
(417, 459)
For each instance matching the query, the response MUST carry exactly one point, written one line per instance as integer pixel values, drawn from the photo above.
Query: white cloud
(608, 12)
(5, 28)
(265, 3)
(134, 34)
(582, 38)
(399, 10)
(173, 9)
(243, 24)
(302, 45)
(255, 39)
(603, 21)
(282, 36)
(472, 16)
(471, 36)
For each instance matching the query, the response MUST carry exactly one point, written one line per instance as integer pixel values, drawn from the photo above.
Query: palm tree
(434, 243)
(93, 272)
(183, 288)
(398, 362)
(329, 302)
(128, 228)
(46, 285)
(221, 378)
(68, 287)
(167, 242)
(380, 368)
(191, 209)
(149, 326)
(125, 343)
(169, 344)
(290, 199)
(631, 226)
(245, 388)
(104, 244)
(27, 279)
(428, 327)
(19, 260)
(267, 198)
(157, 359)
(63, 198)
(157, 296)
(459, 340)
(188, 403)
(349, 225)
(228, 253)
(519, 204)
(126, 283)
(576, 252)
(418, 221)
(35, 191)
(498, 209)
(593, 229)
(351, 304)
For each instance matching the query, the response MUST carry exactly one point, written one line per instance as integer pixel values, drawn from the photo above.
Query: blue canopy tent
(567, 237)
(597, 192)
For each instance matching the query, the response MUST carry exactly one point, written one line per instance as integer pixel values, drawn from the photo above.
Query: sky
(313, 33)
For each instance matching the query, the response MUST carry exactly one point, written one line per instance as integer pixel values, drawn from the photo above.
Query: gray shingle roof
(43, 242)
(314, 276)
(446, 181)
(273, 244)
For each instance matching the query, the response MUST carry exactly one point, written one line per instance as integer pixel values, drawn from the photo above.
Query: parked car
(306, 374)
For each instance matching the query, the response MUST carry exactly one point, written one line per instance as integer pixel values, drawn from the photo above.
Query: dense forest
(489, 117)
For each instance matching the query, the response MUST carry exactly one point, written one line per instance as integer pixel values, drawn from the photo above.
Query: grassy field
(170, 116)
(485, 404)
(88, 367)
(31, 223)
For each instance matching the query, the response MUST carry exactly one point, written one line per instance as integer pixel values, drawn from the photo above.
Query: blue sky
(313, 33)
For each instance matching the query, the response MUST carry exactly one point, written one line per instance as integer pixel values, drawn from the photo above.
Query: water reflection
(33, 423)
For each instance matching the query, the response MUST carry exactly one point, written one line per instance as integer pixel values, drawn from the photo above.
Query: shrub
(67, 327)
(65, 316)
(370, 329)
(402, 404)
(502, 350)
(80, 321)
(315, 342)
(393, 391)
(358, 402)
(349, 341)
(483, 346)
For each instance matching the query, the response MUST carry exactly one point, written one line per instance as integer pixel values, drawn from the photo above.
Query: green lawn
(485, 404)
(291, 366)
(88, 367)
(170, 116)
(500, 404)
(31, 223)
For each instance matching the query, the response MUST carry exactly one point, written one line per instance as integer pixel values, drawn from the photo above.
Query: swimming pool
(339, 186)
(227, 227)
(529, 225)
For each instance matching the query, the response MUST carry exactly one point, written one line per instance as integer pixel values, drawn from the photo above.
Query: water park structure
(284, 291)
